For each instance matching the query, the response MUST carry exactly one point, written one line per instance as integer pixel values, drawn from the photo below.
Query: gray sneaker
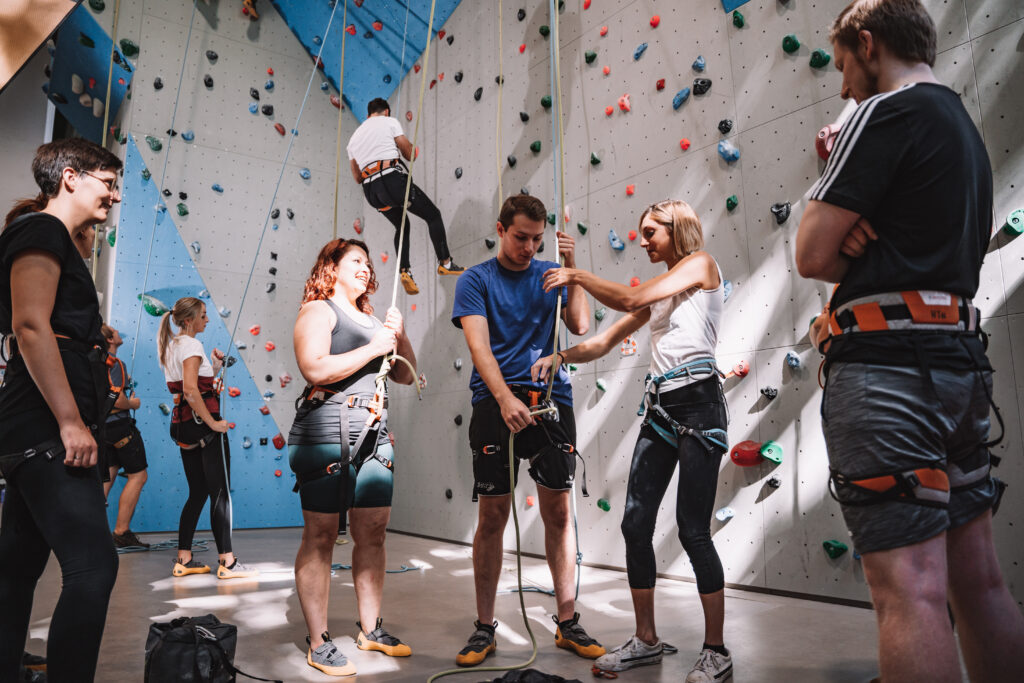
(329, 659)
(634, 652)
(711, 667)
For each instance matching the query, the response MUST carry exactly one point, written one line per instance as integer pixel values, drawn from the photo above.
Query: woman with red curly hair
(341, 455)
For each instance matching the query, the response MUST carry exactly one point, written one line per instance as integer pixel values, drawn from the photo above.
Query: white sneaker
(711, 667)
(634, 652)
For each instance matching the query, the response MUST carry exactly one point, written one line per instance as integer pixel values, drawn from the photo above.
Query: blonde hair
(682, 223)
(185, 309)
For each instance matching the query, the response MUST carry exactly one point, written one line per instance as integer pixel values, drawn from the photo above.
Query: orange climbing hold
(607, 70)
(412, 308)
(270, 71)
(269, 346)
(685, 144)
(265, 410)
(604, 31)
(384, 257)
(277, 473)
(279, 128)
(378, 25)
(529, 501)
(254, 330)
(608, 111)
(350, 29)
(655, 20)
(234, 392)
(357, 225)
(522, 48)
(279, 441)
(336, 101)
(630, 191)
(624, 102)
(440, 76)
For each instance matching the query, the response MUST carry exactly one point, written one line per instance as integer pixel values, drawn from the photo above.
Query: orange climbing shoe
(408, 283)
(481, 645)
(450, 268)
(570, 636)
(380, 640)
(237, 570)
(193, 566)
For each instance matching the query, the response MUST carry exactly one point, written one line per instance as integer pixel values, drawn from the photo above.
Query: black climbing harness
(664, 424)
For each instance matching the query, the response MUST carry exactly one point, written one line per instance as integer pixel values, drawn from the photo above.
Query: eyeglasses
(111, 183)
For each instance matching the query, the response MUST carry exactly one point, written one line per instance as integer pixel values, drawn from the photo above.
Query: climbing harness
(903, 311)
(51, 449)
(381, 168)
(714, 440)
(928, 486)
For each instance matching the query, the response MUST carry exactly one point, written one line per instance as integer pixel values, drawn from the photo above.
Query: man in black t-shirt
(900, 219)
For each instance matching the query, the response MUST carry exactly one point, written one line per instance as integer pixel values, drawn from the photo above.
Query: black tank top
(323, 424)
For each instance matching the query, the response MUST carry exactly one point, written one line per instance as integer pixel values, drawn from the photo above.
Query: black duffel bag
(193, 650)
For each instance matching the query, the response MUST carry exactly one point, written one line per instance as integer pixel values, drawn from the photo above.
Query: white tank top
(684, 328)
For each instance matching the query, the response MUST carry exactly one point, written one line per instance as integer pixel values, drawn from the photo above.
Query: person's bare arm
(405, 147)
(820, 238)
(478, 337)
(312, 341)
(357, 173)
(34, 277)
(125, 402)
(576, 313)
(593, 348)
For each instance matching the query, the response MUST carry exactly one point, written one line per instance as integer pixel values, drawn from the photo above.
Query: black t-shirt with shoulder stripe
(911, 162)
(25, 419)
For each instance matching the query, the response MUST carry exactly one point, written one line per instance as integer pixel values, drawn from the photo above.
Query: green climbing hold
(545, 30)
(834, 548)
(86, 40)
(582, 228)
(129, 48)
(551, 216)
(182, 209)
(112, 236)
(572, 367)
(153, 306)
(145, 174)
(604, 504)
(535, 146)
(590, 56)
(601, 385)
(820, 59)
(790, 44)
(97, 5)
(154, 143)
(546, 101)
(1014, 223)
(771, 451)
(731, 202)
(737, 19)
(600, 313)
(165, 409)
(120, 136)
(594, 159)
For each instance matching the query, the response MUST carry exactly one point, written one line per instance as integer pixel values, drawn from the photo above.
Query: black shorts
(131, 457)
(550, 446)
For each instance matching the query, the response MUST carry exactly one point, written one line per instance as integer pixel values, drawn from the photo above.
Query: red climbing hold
(231, 425)
(440, 76)
(408, 115)
(357, 225)
(634, 281)
(416, 68)
(586, 4)
(384, 257)
(441, 34)
(92, 83)
(655, 20)
(433, 82)
(278, 441)
(270, 71)
(378, 25)
(746, 453)
(660, 85)
(522, 48)
(265, 410)
(277, 473)
(279, 128)
(630, 191)
(336, 101)
(604, 31)
(624, 102)
(632, 235)
(415, 153)
(412, 308)
(120, 81)
(254, 330)
(607, 70)
(269, 346)
(684, 144)
(234, 392)
(608, 111)
(350, 29)
(739, 370)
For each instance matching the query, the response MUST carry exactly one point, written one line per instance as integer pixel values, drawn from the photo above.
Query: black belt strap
(51, 449)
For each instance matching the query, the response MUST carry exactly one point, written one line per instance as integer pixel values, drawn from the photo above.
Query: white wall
(23, 122)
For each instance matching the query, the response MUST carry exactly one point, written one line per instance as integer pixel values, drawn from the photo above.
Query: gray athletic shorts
(881, 420)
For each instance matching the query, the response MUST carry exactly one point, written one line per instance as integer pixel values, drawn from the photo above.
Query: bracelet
(562, 356)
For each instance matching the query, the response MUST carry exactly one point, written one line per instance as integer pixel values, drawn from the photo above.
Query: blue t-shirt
(520, 319)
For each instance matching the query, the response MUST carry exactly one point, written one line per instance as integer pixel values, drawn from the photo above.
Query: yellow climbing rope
(341, 106)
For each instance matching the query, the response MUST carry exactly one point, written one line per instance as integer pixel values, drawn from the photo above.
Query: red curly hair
(322, 277)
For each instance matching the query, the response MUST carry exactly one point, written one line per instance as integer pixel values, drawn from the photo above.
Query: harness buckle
(490, 449)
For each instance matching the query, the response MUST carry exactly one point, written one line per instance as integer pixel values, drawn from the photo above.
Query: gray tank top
(323, 424)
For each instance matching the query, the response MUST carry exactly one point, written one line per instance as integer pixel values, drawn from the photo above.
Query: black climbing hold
(724, 126)
(275, 213)
(158, 83)
(448, 494)
(368, 34)
(273, 255)
(167, 193)
(540, 248)
(769, 392)
(254, 93)
(458, 172)
(489, 242)
(781, 211)
(211, 55)
(171, 132)
(458, 77)
(229, 361)
(511, 160)
(521, 14)
(499, 80)
(458, 420)
(58, 98)
(267, 109)
(269, 378)
(524, 117)
(183, 196)
(701, 85)
(478, 94)
(208, 81)
(524, 190)
(451, 39)
(272, 270)
(775, 482)
(263, 441)
(271, 286)
(289, 213)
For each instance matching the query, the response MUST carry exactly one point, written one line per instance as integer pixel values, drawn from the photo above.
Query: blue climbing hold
(269, 85)
(616, 243)
(387, 78)
(726, 289)
(639, 51)
(680, 97)
(324, 85)
(699, 64)
(253, 107)
(217, 188)
(728, 151)
(204, 294)
(268, 394)
(246, 442)
(224, 311)
(792, 359)
(304, 173)
(188, 136)
(274, 226)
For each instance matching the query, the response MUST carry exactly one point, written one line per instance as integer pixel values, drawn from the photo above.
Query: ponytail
(26, 206)
(186, 308)
(164, 337)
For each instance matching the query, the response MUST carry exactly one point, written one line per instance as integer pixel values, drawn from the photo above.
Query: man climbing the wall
(901, 219)
(373, 156)
(509, 321)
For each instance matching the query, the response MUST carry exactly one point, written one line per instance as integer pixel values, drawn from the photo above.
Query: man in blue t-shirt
(509, 320)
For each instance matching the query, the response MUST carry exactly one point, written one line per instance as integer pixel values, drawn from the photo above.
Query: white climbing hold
(724, 514)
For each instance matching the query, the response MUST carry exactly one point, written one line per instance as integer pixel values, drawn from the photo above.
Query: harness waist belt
(379, 168)
(903, 311)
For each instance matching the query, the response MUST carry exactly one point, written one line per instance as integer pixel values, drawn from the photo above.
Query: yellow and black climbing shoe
(450, 268)
(193, 566)
(570, 636)
(480, 645)
(379, 640)
(408, 283)
(328, 658)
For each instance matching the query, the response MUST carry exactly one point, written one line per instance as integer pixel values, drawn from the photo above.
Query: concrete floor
(773, 639)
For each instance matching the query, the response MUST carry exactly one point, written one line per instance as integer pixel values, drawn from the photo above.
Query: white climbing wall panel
(778, 103)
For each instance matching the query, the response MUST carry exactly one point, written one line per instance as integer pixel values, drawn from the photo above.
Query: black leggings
(700, 405)
(52, 507)
(208, 471)
(386, 194)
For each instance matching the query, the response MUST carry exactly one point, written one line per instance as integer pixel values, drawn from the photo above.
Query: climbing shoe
(193, 566)
(33, 662)
(237, 570)
(634, 652)
(570, 636)
(408, 283)
(450, 268)
(480, 645)
(379, 640)
(711, 667)
(328, 658)
(128, 540)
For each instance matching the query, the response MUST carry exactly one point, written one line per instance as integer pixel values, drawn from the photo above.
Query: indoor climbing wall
(234, 117)
(640, 127)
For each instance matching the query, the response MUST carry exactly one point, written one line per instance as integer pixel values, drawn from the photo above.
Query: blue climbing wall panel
(260, 499)
(373, 58)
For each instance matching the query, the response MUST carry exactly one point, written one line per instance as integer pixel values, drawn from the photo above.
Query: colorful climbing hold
(279, 128)
(546, 101)
(208, 81)
(269, 346)
(111, 236)
(728, 151)
(545, 30)
(609, 110)
(594, 159)
(680, 97)
(304, 173)
(820, 59)
(737, 19)
(182, 209)
(458, 171)
(769, 392)
(195, 247)
(790, 44)
(726, 289)
(793, 359)
(600, 313)
(771, 451)
(489, 242)
(129, 48)
(603, 31)
(731, 202)
(586, 4)
(224, 311)
(601, 385)
(614, 240)
(582, 228)
(1014, 224)
(724, 514)
(699, 64)
(152, 305)
(724, 126)
(634, 281)
(624, 102)
(378, 25)
(269, 85)
(278, 441)
(684, 144)
(834, 549)
(188, 136)
(458, 77)
(606, 70)
(589, 56)
(655, 20)
(254, 108)
(234, 392)
(604, 504)
(701, 85)
(630, 190)
(535, 146)
(639, 51)
(165, 409)
(254, 330)
(478, 93)
(746, 454)
(551, 218)
(246, 442)
(267, 109)
(781, 211)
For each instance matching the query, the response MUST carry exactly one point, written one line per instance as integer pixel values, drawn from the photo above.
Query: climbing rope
(93, 259)
(341, 106)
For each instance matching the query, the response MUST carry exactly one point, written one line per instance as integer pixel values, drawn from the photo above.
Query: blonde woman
(684, 423)
(201, 434)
